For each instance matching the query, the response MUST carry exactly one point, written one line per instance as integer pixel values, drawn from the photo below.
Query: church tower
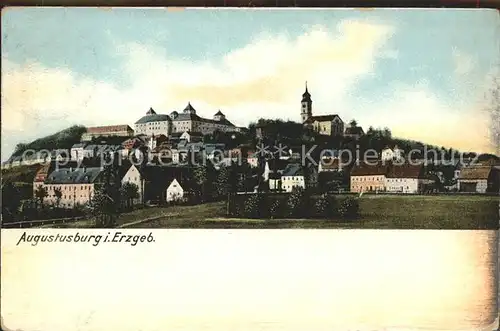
(306, 106)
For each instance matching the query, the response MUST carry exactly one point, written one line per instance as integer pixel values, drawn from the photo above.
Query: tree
(41, 193)
(129, 192)
(102, 209)
(353, 123)
(203, 177)
(11, 200)
(226, 182)
(58, 194)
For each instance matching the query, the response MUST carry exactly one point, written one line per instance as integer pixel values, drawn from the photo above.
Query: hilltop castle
(156, 124)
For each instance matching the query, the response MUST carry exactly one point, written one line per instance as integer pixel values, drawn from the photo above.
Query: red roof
(109, 128)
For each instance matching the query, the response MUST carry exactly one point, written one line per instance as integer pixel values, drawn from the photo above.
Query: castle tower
(306, 106)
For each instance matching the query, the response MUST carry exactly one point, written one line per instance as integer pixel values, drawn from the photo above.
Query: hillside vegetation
(61, 140)
(20, 174)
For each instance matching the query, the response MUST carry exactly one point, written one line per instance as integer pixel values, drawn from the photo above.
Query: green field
(377, 212)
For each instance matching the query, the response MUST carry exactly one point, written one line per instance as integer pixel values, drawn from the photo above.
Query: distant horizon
(423, 74)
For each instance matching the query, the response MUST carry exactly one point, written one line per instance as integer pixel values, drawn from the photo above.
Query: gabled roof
(193, 134)
(405, 171)
(79, 145)
(108, 128)
(371, 169)
(475, 172)
(219, 113)
(151, 112)
(277, 164)
(74, 176)
(330, 164)
(293, 169)
(324, 118)
(354, 130)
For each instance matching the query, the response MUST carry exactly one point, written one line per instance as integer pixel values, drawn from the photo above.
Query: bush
(276, 208)
(349, 208)
(322, 207)
(296, 203)
(253, 205)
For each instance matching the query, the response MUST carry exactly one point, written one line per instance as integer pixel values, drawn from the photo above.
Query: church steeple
(306, 105)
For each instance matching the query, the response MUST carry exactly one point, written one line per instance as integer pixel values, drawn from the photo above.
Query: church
(330, 125)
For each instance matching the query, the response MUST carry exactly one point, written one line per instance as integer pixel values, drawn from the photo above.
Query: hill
(61, 140)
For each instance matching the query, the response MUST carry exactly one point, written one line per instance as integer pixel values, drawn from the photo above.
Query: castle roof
(189, 108)
(219, 113)
(152, 116)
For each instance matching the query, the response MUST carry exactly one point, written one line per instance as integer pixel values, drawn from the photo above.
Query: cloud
(463, 63)
(262, 79)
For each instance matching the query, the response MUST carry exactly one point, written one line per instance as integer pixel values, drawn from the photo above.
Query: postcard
(250, 169)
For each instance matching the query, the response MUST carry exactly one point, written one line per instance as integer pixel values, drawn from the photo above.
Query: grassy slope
(379, 212)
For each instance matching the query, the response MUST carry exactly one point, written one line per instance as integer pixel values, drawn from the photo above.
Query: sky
(425, 74)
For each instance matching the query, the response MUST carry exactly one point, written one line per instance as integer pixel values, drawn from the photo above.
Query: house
(253, 159)
(77, 185)
(354, 131)
(158, 178)
(215, 151)
(273, 170)
(157, 140)
(388, 154)
(107, 131)
(293, 176)
(77, 153)
(368, 177)
(192, 137)
(177, 190)
(134, 176)
(406, 178)
(330, 164)
(479, 179)
(60, 155)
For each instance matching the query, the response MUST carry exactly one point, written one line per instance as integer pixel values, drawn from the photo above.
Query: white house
(77, 153)
(191, 137)
(389, 154)
(405, 179)
(253, 160)
(175, 191)
(134, 176)
(293, 176)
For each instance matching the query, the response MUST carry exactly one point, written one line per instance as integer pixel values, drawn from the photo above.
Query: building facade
(368, 178)
(77, 186)
(179, 122)
(331, 125)
(134, 176)
(153, 124)
(106, 131)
